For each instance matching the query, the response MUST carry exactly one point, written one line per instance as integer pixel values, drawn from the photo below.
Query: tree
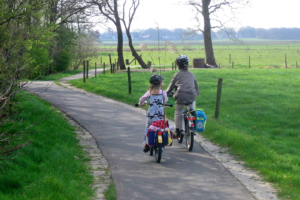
(209, 10)
(64, 15)
(135, 4)
(20, 28)
(109, 9)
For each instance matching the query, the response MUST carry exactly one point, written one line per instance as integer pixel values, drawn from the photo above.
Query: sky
(259, 14)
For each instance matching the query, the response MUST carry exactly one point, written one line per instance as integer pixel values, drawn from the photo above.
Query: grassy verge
(53, 166)
(60, 75)
(259, 116)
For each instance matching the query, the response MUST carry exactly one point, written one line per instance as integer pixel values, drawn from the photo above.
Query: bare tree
(132, 10)
(109, 9)
(209, 11)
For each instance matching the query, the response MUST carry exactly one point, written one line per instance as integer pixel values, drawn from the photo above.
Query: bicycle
(188, 126)
(158, 138)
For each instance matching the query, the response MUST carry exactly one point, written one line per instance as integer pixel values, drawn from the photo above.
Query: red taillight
(193, 118)
(159, 133)
(188, 118)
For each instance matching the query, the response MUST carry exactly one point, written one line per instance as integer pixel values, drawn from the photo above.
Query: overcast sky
(261, 14)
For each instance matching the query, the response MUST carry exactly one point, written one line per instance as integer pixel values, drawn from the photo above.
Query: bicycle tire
(180, 138)
(189, 137)
(158, 151)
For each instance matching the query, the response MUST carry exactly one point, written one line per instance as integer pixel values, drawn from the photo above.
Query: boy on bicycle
(186, 90)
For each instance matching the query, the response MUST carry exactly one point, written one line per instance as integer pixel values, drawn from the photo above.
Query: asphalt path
(118, 130)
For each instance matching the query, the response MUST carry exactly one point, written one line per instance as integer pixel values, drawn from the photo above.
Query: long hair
(154, 89)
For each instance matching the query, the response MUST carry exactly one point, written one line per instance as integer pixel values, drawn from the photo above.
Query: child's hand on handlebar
(171, 94)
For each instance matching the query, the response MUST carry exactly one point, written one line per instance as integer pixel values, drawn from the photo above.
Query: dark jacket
(185, 85)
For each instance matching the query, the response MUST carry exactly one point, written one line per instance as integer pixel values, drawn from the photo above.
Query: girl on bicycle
(157, 97)
(186, 90)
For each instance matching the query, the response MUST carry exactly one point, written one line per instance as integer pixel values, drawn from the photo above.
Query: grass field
(262, 53)
(259, 115)
(47, 168)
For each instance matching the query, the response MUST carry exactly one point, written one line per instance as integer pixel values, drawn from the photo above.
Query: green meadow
(228, 54)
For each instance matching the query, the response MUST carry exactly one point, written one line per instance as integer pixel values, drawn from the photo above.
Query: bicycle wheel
(180, 138)
(189, 137)
(158, 151)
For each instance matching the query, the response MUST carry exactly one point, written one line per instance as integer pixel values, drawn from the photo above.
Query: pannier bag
(150, 138)
(167, 138)
(200, 120)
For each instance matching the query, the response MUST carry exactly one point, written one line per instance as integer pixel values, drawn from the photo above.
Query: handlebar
(167, 104)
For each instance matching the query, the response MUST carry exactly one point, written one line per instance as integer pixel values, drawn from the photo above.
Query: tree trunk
(134, 53)
(209, 51)
(120, 36)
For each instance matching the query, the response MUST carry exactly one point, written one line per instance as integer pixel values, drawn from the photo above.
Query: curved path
(118, 130)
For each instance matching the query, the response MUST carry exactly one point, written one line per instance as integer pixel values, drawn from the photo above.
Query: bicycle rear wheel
(180, 138)
(189, 137)
(158, 151)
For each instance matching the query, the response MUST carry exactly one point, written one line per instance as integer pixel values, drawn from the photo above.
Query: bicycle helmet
(156, 79)
(182, 61)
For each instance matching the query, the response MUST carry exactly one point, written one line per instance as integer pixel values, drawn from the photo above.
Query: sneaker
(177, 133)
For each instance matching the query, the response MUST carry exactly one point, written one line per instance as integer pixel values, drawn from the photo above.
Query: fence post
(232, 64)
(219, 65)
(249, 62)
(175, 65)
(109, 59)
(219, 91)
(296, 64)
(84, 71)
(285, 61)
(114, 69)
(129, 79)
(103, 68)
(87, 69)
(95, 69)
(100, 60)
(229, 58)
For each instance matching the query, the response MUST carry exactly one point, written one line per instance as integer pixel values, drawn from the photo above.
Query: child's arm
(165, 96)
(144, 98)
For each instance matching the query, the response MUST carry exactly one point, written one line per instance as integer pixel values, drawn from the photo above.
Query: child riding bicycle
(157, 97)
(186, 90)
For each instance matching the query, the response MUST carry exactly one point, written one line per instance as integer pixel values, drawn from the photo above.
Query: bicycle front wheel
(189, 136)
(158, 151)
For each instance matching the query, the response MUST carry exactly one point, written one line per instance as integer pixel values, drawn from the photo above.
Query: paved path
(118, 130)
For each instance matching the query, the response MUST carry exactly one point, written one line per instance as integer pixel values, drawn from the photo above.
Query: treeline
(39, 37)
(181, 34)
